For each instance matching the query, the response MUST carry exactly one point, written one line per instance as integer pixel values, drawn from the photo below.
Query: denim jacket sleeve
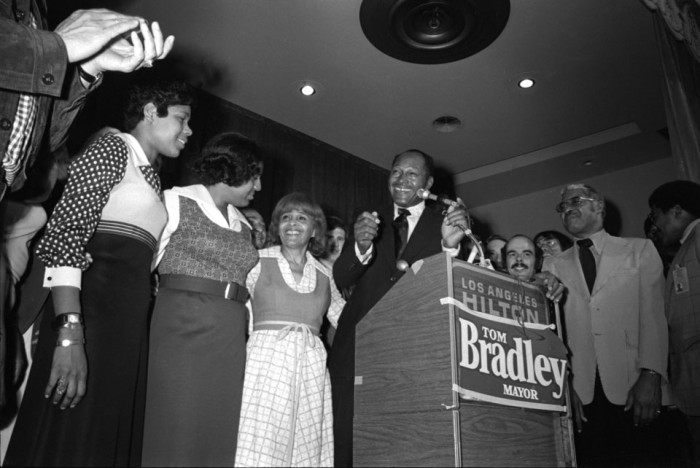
(31, 60)
(35, 61)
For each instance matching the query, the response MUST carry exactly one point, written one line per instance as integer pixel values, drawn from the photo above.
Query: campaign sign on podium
(508, 353)
(458, 365)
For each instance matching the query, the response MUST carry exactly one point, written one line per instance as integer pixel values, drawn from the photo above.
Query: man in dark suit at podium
(407, 230)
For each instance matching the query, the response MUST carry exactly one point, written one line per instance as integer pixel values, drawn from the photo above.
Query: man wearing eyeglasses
(616, 332)
(675, 213)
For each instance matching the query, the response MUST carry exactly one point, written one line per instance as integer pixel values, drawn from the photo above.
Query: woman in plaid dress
(286, 418)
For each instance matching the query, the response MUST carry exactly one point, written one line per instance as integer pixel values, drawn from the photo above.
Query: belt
(227, 290)
(282, 324)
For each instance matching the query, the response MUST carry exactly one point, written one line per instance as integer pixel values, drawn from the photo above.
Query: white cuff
(452, 252)
(364, 258)
(63, 276)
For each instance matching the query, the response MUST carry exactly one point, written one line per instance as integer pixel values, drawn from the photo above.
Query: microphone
(426, 195)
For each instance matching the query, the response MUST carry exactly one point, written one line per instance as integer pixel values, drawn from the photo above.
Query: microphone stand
(483, 261)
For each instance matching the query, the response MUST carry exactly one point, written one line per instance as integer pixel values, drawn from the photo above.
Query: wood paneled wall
(337, 180)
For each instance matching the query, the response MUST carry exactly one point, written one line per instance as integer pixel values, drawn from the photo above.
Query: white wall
(626, 192)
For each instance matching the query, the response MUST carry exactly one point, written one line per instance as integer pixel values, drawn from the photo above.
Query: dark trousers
(693, 424)
(610, 439)
(343, 408)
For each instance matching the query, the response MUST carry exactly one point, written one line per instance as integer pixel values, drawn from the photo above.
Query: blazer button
(5, 124)
(48, 79)
(19, 15)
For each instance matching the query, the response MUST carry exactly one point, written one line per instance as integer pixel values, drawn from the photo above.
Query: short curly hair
(427, 160)
(684, 193)
(564, 241)
(334, 222)
(162, 94)
(230, 158)
(301, 202)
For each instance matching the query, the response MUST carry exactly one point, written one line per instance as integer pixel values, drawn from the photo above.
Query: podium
(413, 403)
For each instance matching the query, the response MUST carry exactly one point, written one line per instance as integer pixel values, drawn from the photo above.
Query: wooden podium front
(408, 411)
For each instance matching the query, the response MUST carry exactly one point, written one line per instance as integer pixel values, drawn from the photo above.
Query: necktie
(587, 260)
(152, 178)
(400, 225)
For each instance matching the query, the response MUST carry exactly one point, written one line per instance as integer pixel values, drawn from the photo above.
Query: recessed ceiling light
(307, 90)
(447, 124)
(526, 83)
(588, 163)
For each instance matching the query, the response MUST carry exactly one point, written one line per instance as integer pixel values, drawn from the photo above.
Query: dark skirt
(195, 380)
(106, 428)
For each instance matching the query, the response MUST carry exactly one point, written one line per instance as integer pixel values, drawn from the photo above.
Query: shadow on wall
(613, 219)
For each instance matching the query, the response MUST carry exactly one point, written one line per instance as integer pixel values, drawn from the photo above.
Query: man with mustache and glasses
(616, 332)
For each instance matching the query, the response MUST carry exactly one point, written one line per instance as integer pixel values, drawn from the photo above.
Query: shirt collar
(688, 230)
(311, 262)
(415, 210)
(140, 158)
(201, 195)
(598, 240)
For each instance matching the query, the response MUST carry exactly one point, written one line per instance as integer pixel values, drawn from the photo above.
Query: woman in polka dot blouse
(83, 405)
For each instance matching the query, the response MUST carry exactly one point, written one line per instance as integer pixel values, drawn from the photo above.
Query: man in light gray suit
(675, 212)
(616, 331)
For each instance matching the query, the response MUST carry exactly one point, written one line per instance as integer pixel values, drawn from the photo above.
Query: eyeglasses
(573, 202)
(551, 243)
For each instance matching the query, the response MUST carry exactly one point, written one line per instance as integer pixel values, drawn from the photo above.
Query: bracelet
(71, 320)
(651, 372)
(90, 79)
(66, 343)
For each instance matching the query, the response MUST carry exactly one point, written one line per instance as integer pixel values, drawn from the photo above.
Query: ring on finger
(61, 386)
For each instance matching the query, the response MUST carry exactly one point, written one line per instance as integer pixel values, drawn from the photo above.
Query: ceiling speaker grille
(433, 31)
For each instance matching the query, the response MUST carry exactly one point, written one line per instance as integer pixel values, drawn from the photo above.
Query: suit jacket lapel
(386, 252)
(612, 256)
(572, 269)
(417, 242)
(423, 230)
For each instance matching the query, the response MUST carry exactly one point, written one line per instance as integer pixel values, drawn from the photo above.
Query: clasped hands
(103, 40)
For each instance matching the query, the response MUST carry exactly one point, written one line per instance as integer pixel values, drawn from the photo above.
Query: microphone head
(402, 265)
(423, 193)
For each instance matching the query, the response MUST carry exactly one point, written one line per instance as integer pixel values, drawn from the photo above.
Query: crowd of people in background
(178, 328)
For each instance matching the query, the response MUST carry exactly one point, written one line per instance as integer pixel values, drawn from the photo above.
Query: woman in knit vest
(197, 353)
